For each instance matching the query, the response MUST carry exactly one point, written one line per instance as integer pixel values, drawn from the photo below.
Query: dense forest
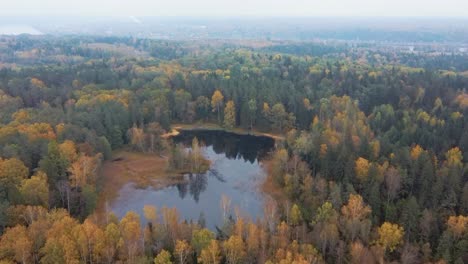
(372, 168)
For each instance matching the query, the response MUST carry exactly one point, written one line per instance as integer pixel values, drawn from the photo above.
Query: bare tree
(270, 212)
(392, 182)
(63, 188)
(225, 206)
(410, 254)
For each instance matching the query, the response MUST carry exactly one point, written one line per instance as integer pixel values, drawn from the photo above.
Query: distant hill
(18, 30)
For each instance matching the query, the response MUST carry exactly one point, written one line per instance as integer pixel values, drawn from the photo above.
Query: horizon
(243, 8)
(240, 16)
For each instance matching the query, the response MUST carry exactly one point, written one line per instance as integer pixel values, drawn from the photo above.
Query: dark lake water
(235, 172)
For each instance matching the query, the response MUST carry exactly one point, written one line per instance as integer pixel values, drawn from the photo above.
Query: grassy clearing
(144, 170)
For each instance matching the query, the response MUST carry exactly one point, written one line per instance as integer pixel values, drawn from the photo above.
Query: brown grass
(144, 170)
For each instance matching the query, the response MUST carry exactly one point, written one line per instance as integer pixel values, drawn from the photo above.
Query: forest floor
(212, 126)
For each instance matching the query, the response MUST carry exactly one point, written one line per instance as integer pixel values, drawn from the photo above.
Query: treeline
(55, 237)
(373, 166)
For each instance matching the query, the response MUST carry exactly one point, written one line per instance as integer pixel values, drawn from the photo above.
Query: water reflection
(234, 146)
(196, 183)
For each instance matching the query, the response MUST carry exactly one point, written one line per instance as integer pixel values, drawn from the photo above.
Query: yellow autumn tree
(217, 102)
(230, 115)
(68, 150)
(235, 250)
(283, 235)
(60, 245)
(112, 242)
(137, 137)
(182, 251)
(131, 236)
(390, 236)
(15, 245)
(266, 111)
(355, 214)
(416, 152)
(35, 191)
(84, 170)
(12, 172)
(295, 215)
(454, 157)
(355, 208)
(361, 168)
(252, 240)
(164, 257)
(458, 225)
(90, 241)
(37, 131)
(211, 254)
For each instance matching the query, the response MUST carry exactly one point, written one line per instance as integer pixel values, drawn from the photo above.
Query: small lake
(235, 172)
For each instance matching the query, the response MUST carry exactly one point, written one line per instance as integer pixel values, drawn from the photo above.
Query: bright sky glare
(419, 8)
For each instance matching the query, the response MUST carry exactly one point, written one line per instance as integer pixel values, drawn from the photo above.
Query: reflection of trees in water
(233, 145)
(182, 188)
(195, 185)
(215, 173)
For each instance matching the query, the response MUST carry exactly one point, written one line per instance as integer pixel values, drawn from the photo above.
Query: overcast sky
(450, 8)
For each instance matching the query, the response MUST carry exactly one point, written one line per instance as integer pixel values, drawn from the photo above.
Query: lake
(235, 172)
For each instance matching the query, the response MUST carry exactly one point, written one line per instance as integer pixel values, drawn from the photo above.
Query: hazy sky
(458, 8)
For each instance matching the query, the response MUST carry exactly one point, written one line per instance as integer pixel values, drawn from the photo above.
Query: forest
(372, 166)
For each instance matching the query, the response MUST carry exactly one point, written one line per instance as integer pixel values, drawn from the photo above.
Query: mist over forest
(233, 139)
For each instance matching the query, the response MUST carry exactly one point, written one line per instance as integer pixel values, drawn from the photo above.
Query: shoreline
(176, 128)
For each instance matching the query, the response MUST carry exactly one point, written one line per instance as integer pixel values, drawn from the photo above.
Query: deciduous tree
(217, 102)
(230, 115)
(182, 251)
(355, 221)
(12, 172)
(131, 235)
(361, 169)
(164, 257)
(35, 191)
(211, 254)
(390, 236)
(235, 250)
(201, 239)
